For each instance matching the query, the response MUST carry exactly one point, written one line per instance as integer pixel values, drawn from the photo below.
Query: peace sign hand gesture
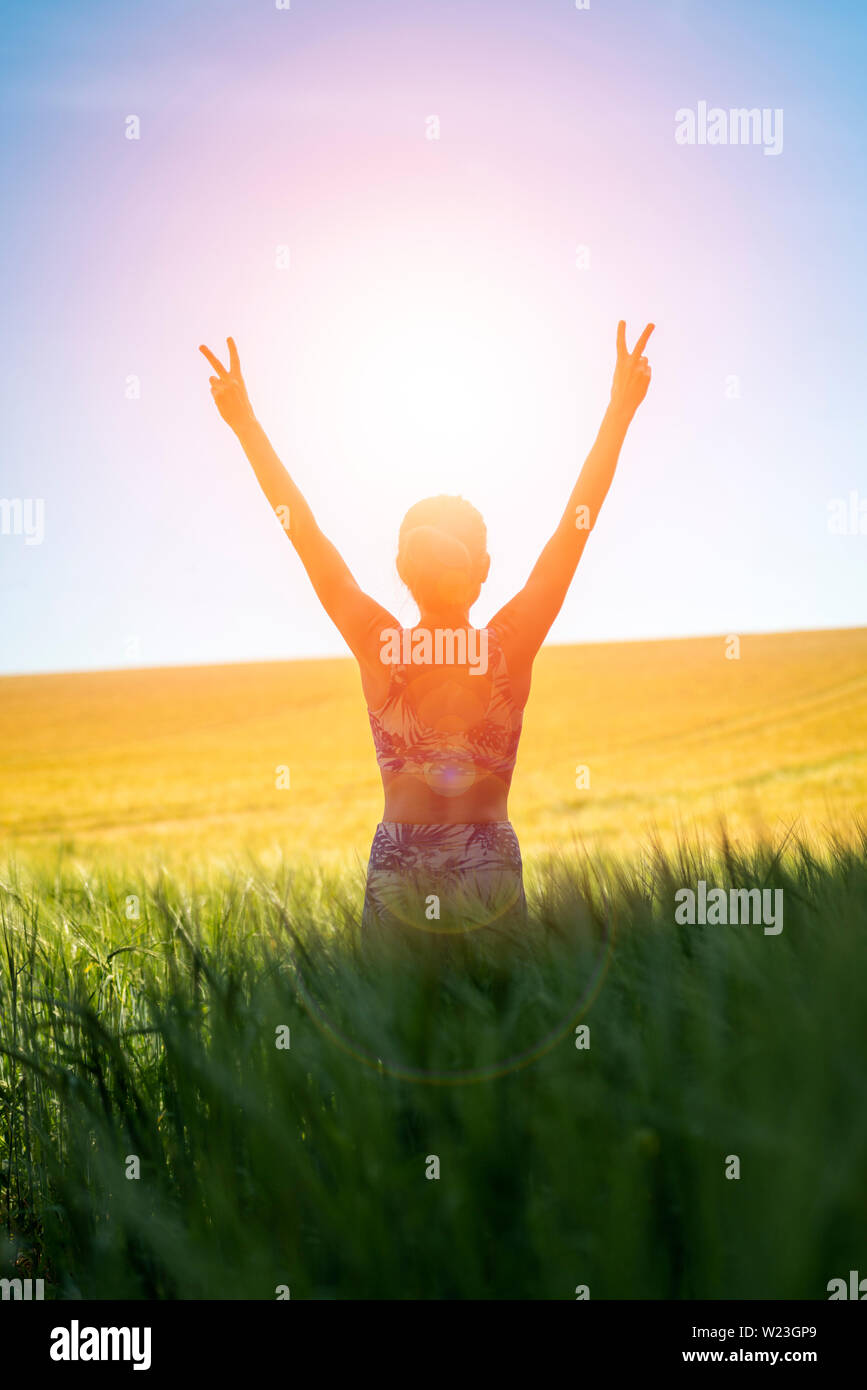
(632, 372)
(228, 389)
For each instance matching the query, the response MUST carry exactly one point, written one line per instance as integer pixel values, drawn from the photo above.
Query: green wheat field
(208, 1089)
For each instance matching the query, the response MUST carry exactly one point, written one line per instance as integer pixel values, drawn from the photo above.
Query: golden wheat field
(674, 736)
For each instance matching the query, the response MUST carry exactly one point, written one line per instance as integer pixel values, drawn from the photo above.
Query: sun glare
(432, 384)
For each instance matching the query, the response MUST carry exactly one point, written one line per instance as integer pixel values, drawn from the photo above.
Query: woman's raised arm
(359, 618)
(524, 622)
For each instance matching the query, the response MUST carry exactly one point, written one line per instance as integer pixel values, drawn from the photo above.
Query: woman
(445, 700)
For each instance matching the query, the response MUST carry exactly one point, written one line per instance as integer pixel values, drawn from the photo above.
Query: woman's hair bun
(442, 556)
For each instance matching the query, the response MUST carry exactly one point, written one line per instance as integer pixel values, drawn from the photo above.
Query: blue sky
(432, 331)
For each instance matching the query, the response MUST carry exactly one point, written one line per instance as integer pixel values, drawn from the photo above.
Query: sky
(421, 221)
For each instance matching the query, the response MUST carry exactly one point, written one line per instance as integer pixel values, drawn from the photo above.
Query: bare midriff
(410, 800)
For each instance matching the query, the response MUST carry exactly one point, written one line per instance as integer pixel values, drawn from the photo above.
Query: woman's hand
(228, 389)
(631, 374)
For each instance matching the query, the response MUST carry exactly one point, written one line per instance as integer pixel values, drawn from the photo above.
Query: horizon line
(347, 656)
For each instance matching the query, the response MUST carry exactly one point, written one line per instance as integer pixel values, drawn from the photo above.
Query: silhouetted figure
(445, 699)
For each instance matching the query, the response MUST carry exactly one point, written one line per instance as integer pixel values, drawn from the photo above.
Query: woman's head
(442, 556)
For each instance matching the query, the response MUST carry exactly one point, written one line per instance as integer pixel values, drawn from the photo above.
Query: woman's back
(446, 721)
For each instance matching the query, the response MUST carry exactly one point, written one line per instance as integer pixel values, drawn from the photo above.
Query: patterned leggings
(441, 881)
